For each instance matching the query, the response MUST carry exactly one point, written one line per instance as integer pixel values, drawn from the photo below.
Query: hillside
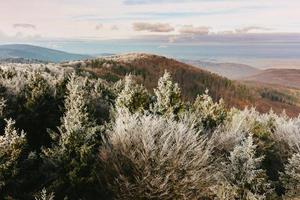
(192, 80)
(228, 70)
(283, 77)
(37, 53)
(80, 137)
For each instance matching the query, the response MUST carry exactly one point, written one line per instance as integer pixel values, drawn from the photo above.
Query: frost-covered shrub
(168, 97)
(12, 144)
(35, 90)
(133, 97)
(262, 126)
(239, 124)
(208, 113)
(156, 147)
(291, 177)
(44, 195)
(287, 135)
(101, 97)
(2, 106)
(73, 157)
(242, 174)
(287, 132)
(33, 98)
(151, 157)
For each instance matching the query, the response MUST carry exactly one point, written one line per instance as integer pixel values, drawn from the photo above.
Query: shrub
(291, 177)
(151, 157)
(73, 157)
(208, 113)
(168, 97)
(12, 144)
(133, 97)
(244, 179)
(44, 195)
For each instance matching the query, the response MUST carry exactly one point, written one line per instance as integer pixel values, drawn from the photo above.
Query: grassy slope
(286, 77)
(192, 80)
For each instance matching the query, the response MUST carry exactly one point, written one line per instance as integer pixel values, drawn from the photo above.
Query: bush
(119, 141)
(73, 158)
(12, 144)
(242, 175)
(168, 97)
(150, 157)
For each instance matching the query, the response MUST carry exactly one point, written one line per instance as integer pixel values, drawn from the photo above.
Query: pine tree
(242, 174)
(44, 195)
(35, 90)
(209, 113)
(291, 177)
(12, 144)
(168, 96)
(133, 97)
(74, 156)
(2, 106)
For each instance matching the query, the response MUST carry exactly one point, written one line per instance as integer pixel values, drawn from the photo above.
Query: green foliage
(291, 177)
(275, 95)
(168, 97)
(73, 158)
(133, 97)
(156, 146)
(43, 195)
(243, 175)
(12, 144)
(35, 90)
(209, 114)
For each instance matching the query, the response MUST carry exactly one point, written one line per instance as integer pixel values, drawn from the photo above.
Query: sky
(170, 20)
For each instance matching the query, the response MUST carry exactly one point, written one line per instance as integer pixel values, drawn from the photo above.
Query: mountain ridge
(38, 53)
(229, 70)
(282, 77)
(147, 68)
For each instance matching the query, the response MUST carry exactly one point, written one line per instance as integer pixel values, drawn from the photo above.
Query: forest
(66, 134)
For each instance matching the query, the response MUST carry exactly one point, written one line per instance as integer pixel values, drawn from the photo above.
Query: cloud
(153, 27)
(19, 37)
(192, 30)
(250, 29)
(114, 28)
(99, 26)
(25, 26)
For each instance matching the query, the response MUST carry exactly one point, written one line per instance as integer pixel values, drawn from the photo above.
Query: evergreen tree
(208, 113)
(243, 177)
(133, 97)
(168, 96)
(74, 156)
(44, 195)
(12, 144)
(291, 177)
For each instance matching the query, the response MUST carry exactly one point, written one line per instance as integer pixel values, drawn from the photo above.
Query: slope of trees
(66, 134)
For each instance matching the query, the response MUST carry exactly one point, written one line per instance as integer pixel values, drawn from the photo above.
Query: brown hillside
(284, 77)
(192, 80)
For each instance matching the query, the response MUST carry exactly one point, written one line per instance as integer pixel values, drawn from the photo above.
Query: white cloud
(192, 30)
(76, 19)
(249, 29)
(114, 28)
(99, 26)
(25, 26)
(153, 27)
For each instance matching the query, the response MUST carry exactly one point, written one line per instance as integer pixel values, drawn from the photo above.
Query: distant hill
(192, 80)
(229, 70)
(37, 53)
(282, 77)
